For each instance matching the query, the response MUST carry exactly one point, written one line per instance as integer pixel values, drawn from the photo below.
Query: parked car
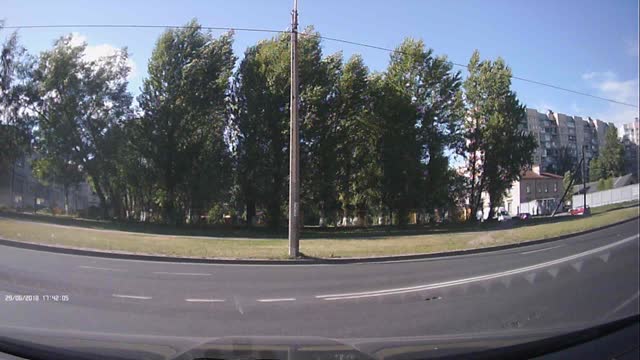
(524, 216)
(580, 211)
(503, 216)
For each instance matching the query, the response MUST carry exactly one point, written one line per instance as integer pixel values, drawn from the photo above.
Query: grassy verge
(379, 245)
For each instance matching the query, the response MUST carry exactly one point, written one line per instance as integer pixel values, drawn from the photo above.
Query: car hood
(33, 343)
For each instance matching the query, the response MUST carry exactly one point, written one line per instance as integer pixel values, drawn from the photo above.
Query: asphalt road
(579, 280)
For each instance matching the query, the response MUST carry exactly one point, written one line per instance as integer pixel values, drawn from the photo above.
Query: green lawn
(431, 240)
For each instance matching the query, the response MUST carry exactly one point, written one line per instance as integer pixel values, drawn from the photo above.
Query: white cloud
(598, 75)
(608, 85)
(95, 52)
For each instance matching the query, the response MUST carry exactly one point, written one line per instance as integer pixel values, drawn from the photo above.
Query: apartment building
(631, 131)
(554, 131)
(20, 189)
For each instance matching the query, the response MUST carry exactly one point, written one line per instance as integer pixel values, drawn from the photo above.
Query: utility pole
(584, 184)
(294, 152)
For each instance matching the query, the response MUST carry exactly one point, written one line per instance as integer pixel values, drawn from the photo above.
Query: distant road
(581, 279)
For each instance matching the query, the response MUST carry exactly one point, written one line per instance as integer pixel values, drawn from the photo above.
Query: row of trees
(207, 137)
(609, 163)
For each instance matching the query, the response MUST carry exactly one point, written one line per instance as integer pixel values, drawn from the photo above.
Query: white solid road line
(539, 250)
(423, 287)
(622, 306)
(100, 268)
(180, 273)
(131, 297)
(204, 300)
(276, 300)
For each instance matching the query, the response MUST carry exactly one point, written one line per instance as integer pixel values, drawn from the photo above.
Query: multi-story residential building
(21, 190)
(632, 131)
(554, 131)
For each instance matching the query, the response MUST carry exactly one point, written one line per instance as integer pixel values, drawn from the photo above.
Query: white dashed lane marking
(276, 300)
(131, 297)
(100, 268)
(539, 250)
(180, 273)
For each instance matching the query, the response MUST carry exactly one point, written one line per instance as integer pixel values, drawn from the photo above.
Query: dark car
(524, 216)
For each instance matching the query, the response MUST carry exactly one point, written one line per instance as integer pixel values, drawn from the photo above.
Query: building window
(555, 187)
(528, 189)
(546, 188)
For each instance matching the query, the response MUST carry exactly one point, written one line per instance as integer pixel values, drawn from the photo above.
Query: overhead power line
(135, 26)
(465, 66)
(273, 31)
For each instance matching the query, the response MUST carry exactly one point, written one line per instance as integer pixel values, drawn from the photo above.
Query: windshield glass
(299, 168)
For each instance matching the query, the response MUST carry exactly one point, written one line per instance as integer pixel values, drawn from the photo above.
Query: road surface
(584, 279)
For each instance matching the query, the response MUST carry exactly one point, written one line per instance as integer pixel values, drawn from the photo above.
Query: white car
(503, 216)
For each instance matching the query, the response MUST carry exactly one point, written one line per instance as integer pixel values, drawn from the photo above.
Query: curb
(304, 261)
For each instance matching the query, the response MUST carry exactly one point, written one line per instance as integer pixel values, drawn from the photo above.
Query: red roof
(530, 174)
(553, 176)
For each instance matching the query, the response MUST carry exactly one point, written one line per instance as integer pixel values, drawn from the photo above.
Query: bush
(217, 212)
(608, 183)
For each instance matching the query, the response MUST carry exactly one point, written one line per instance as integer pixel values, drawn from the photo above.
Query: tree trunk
(102, 198)
(251, 211)
(492, 205)
(169, 207)
(273, 212)
(323, 213)
(66, 199)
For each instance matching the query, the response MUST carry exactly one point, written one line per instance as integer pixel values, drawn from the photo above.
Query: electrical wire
(135, 26)
(465, 66)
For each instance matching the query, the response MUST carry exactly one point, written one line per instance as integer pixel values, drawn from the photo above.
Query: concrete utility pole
(294, 152)
(584, 183)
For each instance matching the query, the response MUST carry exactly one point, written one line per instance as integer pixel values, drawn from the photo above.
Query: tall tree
(498, 146)
(357, 135)
(261, 119)
(611, 157)
(15, 122)
(183, 102)
(78, 102)
(398, 150)
(421, 110)
(260, 122)
(319, 131)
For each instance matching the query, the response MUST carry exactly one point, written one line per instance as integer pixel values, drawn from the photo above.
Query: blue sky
(586, 45)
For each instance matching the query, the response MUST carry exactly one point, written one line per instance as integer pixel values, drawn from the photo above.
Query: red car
(580, 211)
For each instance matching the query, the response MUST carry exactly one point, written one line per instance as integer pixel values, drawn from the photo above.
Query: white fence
(606, 197)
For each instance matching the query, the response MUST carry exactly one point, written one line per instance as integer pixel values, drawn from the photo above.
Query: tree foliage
(206, 141)
(79, 103)
(183, 105)
(498, 145)
(15, 122)
(610, 162)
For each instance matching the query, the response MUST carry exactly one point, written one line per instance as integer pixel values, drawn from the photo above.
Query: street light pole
(294, 152)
